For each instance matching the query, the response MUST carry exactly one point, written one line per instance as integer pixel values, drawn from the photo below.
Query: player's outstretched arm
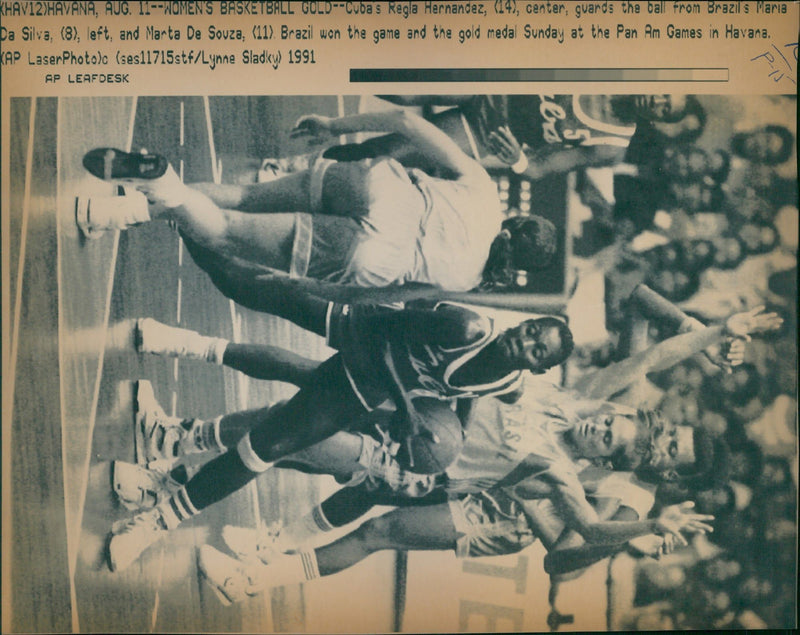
(568, 558)
(435, 144)
(618, 376)
(570, 500)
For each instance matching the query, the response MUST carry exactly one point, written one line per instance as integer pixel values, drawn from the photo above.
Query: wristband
(521, 165)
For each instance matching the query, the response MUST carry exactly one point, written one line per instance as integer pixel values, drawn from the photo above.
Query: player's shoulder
(466, 324)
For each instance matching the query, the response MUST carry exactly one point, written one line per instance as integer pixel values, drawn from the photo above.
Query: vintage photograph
(563, 329)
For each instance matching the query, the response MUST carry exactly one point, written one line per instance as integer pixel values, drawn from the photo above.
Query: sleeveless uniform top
(500, 436)
(425, 367)
(542, 120)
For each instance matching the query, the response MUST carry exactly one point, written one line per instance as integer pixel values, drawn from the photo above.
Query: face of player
(671, 447)
(531, 345)
(602, 435)
(660, 107)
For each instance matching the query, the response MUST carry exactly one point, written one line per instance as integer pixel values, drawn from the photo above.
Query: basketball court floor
(69, 368)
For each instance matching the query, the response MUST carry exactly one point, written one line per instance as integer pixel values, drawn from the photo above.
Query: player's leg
(238, 281)
(342, 507)
(407, 528)
(427, 528)
(260, 361)
(309, 417)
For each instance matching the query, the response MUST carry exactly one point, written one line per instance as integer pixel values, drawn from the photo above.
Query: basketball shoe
(231, 579)
(96, 215)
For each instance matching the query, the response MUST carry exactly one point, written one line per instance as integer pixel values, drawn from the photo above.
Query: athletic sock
(202, 436)
(291, 569)
(305, 528)
(177, 508)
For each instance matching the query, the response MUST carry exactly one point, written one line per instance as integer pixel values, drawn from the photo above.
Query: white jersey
(461, 220)
(500, 436)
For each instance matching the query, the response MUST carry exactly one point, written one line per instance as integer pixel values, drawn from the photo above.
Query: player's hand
(505, 145)
(649, 545)
(727, 354)
(745, 324)
(408, 423)
(314, 128)
(677, 518)
(668, 546)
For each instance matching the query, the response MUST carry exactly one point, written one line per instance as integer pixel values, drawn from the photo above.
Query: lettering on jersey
(551, 113)
(556, 118)
(422, 370)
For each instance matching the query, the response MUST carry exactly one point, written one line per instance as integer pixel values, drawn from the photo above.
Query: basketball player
(369, 223)
(444, 351)
(535, 135)
(553, 427)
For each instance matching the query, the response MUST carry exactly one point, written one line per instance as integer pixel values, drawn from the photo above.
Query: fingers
(698, 527)
(678, 537)
(736, 352)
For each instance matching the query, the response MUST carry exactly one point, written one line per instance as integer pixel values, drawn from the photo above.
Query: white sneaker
(157, 436)
(129, 538)
(249, 544)
(138, 488)
(152, 336)
(381, 466)
(231, 579)
(96, 215)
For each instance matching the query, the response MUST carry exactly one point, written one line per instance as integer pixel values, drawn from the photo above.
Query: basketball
(427, 456)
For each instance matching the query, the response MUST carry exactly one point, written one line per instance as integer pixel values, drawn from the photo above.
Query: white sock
(305, 528)
(203, 347)
(202, 436)
(291, 569)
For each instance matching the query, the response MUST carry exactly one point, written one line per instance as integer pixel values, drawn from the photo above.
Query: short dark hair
(628, 458)
(526, 243)
(533, 241)
(711, 465)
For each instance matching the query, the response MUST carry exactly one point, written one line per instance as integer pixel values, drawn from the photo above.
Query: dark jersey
(424, 360)
(542, 120)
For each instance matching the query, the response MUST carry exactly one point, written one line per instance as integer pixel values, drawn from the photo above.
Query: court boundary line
(26, 203)
(96, 392)
(12, 359)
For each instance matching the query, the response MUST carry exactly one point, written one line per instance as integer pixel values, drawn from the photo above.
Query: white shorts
(390, 211)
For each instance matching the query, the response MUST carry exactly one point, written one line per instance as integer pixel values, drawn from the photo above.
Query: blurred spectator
(768, 145)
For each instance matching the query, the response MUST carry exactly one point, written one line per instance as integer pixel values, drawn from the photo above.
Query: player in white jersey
(493, 521)
(368, 223)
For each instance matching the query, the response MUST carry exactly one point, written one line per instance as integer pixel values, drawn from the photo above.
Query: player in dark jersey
(535, 135)
(470, 357)
(501, 520)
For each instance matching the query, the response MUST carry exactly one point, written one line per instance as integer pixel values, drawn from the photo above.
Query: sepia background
(68, 361)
